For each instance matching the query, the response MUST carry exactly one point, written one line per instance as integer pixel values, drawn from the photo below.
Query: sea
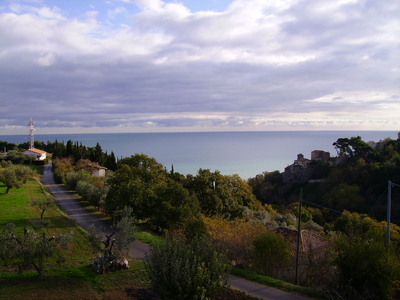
(244, 153)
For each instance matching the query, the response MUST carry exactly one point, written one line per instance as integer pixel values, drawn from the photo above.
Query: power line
(320, 206)
(379, 199)
(323, 207)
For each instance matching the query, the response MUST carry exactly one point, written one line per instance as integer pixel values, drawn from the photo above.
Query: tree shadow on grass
(59, 222)
(3, 188)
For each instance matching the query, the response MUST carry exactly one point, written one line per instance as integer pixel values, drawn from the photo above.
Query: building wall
(34, 154)
(319, 154)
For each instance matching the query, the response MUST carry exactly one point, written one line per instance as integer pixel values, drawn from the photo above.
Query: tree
(354, 146)
(111, 162)
(343, 196)
(360, 148)
(15, 156)
(174, 206)
(31, 249)
(43, 204)
(15, 176)
(366, 266)
(267, 187)
(4, 145)
(342, 147)
(134, 184)
(116, 245)
(62, 166)
(222, 195)
(186, 271)
(96, 154)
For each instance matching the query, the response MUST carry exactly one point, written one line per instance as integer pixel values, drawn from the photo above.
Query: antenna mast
(31, 131)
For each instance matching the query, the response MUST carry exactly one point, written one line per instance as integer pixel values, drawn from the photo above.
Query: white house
(98, 170)
(36, 153)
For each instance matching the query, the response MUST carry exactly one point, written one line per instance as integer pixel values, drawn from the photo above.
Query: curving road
(81, 215)
(84, 218)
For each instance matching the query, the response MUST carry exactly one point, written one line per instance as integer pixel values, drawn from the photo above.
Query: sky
(207, 65)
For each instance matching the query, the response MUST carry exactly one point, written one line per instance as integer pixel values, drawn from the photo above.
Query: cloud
(118, 10)
(258, 64)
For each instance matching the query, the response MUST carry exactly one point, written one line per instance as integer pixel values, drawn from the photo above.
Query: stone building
(319, 154)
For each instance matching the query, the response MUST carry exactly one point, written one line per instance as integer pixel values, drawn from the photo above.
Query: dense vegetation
(254, 223)
(73, 150)
(356, 180)
(75, 277)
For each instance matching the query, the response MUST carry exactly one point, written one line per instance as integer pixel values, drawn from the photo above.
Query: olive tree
(113, 248)
(31, 249)
(43, 204)
(15, 176)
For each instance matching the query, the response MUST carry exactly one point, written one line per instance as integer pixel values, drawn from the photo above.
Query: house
(376, 145)
(98, 170)
(297, 172)
(95, 169)
(309, 241)
(36, 153)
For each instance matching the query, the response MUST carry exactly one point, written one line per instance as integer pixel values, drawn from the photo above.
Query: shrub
(366, 267)
(186, 271)
(270, 254)
(234, 237)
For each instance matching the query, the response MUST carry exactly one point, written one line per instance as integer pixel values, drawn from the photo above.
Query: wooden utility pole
(298, 237)
(388, 217)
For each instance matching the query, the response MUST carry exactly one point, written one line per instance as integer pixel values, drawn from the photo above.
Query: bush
(270, 254)
(366, 267)
(235, 238)
(182, 271)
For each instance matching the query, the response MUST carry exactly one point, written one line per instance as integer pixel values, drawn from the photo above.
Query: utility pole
(388, 217)
(298, 237)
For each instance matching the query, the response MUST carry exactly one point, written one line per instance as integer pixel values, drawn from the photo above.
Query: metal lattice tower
(31, 131)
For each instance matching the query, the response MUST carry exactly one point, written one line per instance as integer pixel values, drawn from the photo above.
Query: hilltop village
(300, 171)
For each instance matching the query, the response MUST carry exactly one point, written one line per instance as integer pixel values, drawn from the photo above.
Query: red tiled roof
(34, 150)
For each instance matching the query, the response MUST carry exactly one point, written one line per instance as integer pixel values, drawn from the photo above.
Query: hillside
(356, 180)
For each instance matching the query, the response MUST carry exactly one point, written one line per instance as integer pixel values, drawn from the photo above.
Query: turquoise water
(243, 153)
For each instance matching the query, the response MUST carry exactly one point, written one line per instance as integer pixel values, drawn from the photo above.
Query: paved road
(84, 218)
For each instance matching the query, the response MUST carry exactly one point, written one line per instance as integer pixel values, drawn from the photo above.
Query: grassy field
(75, 279)
(15, 208)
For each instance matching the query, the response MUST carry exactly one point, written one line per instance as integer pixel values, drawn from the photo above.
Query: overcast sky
(152, 65)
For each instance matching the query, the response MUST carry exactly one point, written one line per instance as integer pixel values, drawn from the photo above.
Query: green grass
(149, 238)
(76, 283)
(75, 279)
(15, 208)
